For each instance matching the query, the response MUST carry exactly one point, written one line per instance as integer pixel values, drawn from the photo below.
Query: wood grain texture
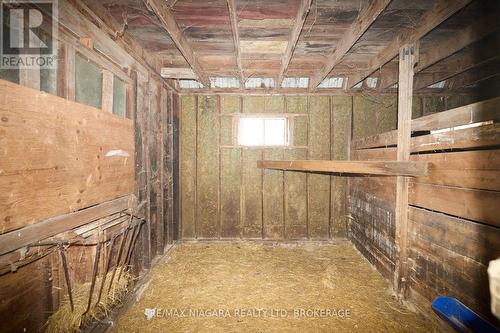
(384, 168)
(77, 156)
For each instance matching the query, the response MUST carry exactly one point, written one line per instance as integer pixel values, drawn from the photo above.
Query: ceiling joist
(305, 5)
(367, 16)
(164, 14)
(430, 20)
(236, 38)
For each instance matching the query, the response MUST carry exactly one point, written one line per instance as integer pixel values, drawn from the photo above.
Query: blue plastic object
(460, 317)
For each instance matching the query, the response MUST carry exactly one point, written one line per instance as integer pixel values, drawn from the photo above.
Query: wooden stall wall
(224, 195)
(454, 227)
(65, 164)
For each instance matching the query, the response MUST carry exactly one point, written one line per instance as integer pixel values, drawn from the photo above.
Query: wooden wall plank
(188, 165)
(443, 263)
(469, 169)
(463, 115)
(70, 164)
(273, 198)
(475, 137)
(207, 167)
(477, 205)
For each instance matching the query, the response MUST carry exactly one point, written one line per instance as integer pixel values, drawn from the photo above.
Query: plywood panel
(188, 165)
(295, 198)
(319, 185)
(251, 195)
(230, 192)
(58, 156)
(273, 198)
(207, 168)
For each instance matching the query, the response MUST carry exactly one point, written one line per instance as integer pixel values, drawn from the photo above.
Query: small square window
(262, 131)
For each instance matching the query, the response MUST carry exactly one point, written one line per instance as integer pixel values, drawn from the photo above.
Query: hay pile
(64, 320)
(206, 287)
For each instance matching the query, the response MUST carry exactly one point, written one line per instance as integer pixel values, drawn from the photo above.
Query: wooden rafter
(476, 75)
(167, 19)
(366, 17)
(449, 45)
(385, 168)
(467, 60)
(305, 5)
(236, 38)
(430, 20)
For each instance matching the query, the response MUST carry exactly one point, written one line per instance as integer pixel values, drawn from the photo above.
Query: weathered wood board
(58, 156)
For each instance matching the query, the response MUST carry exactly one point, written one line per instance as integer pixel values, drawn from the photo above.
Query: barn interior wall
(65, 150)
(224, 194)
(453, 231)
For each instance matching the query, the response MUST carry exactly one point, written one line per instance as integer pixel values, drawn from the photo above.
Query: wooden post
(407, 60)
(66, 71)
(107, 91)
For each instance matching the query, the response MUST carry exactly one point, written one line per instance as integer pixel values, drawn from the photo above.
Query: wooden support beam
(236, 39)
(178, 73)
(107, 91)
(167, 19)
(384, 168)
(366, 17)
(305, 5)
(16, 239)
(435, 16)
(407, 59)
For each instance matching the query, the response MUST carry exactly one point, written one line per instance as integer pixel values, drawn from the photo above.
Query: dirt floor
(254, 287)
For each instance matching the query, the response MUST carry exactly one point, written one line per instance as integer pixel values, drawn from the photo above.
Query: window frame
(263, 117)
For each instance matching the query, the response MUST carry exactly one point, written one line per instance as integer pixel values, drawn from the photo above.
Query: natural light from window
(262, 131)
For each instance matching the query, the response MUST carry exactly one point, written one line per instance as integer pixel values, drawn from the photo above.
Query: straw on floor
(253, 287)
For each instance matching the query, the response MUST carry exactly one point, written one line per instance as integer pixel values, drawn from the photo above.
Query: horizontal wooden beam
(384, 168)
(463, 115)
(430, 20)
(16, 239)
(178, 73)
